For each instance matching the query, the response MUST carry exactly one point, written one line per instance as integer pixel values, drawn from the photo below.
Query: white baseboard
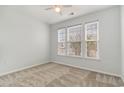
(20, 69)
(94, 70)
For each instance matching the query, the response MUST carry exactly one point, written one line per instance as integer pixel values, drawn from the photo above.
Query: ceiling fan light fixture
(57, 9)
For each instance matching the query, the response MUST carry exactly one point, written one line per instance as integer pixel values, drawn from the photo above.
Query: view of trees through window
(74, 41)
(70, 40)
(61, 42)
(91, 39)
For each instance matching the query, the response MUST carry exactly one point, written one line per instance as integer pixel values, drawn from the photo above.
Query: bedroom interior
(62, 46)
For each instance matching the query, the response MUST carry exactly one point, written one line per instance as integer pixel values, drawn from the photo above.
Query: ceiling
(52, 17)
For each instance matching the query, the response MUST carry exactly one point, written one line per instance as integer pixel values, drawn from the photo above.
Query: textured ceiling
(52, 17)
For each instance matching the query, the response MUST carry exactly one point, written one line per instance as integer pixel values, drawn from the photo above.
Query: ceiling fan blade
(67, 5)
(50, 8)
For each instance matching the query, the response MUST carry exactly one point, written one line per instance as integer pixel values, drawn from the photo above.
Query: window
(91, 40)
(74, 41)
(71, 41)
(61, 42)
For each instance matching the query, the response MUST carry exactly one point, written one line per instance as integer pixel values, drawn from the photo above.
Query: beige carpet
(56, 75)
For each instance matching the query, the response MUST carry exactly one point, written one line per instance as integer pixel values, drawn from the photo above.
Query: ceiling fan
(58, 8)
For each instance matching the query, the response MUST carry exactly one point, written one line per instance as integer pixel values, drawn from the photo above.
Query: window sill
(70, 56)
(91, 58)
(87, 58)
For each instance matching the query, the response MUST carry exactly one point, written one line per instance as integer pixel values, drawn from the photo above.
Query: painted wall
(110, 42)
(24, 40)
(122, 41)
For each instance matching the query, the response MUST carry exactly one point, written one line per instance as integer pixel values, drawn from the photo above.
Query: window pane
(61, 48)
(74, 48)
(91, 31)
(91, 48)
(74, 33)
(61, 35)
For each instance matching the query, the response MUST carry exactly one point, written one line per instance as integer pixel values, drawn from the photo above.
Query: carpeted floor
(56, 75)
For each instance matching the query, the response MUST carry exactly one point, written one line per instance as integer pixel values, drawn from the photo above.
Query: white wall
(24, 40)
(122, 39)
(110, 42)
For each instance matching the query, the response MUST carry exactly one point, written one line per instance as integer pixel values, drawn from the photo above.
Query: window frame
(97, 40)
(74, 26)
(83, 41)
(61, 42)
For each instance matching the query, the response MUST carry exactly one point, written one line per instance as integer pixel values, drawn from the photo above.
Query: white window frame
(83, 41)
(66, 41)
(97, 40)
(62, 42)
(69, 27)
